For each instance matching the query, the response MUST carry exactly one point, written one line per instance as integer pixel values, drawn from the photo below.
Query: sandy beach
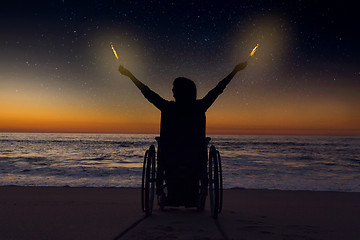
(114, 213)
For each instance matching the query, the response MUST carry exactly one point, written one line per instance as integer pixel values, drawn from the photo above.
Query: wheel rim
(148, 181)
(220, 182)
(213, 182)
(143, 182)
(211, 193)
(147, 185)
(151, 177)
(216, 186)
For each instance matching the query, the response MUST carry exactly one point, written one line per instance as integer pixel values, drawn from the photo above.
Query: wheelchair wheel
(203, 185)
(203, 193)
(215, 182)
(148, 181)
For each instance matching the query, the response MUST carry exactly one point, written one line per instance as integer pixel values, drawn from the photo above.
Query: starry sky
(59, 74)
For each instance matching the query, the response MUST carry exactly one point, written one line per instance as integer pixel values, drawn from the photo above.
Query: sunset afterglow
(62, 75)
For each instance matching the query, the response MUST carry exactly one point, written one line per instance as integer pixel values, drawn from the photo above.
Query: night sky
(59, 74)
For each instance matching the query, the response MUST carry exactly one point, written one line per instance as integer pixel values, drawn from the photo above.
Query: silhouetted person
(182, 133)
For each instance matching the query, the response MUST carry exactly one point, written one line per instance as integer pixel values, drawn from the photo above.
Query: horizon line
(317, 132)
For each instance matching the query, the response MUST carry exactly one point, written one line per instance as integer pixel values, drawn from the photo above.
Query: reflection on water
(115, 160)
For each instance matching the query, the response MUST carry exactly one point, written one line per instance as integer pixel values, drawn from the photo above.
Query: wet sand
(114, 213)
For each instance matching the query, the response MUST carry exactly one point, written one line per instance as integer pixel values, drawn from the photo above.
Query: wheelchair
(210, 180)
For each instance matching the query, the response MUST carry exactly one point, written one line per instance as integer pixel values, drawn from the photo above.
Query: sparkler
(114, 51)
(253, 51)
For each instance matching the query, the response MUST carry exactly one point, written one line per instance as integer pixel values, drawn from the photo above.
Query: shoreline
(233, 188)
(106, 213)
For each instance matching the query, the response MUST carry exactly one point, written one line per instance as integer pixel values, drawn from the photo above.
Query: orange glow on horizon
(331, 119)
(32, 110)
(218, 123)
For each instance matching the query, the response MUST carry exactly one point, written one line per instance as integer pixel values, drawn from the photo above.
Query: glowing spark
(112, 47)
(254, 50)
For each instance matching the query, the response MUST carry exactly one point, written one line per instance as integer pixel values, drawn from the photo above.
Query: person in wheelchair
(182, 135)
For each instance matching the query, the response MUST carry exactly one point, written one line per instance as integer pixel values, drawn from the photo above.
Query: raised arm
(210, 98)
(150, 95)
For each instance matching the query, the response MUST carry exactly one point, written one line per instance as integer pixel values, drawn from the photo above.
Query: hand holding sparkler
(122, 69)
(125, 71)
(136, 81)
(243, 65)
(240, 66)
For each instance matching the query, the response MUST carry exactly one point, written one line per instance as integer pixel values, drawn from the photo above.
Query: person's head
(184, 90)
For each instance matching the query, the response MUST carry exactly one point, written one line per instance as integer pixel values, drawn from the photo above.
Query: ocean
(316, 163)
